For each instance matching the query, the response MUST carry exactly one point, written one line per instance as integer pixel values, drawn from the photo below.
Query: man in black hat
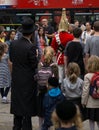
(23, 87)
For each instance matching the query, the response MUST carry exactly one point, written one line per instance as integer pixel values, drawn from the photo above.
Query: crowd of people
(50, 74)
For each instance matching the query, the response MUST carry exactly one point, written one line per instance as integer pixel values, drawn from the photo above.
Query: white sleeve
(82, 36)
(85, 92)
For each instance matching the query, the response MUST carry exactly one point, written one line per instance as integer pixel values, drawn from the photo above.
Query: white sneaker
(4, 100)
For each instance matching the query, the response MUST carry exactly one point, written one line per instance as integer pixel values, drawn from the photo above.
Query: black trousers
(4, 91)
(22, 123)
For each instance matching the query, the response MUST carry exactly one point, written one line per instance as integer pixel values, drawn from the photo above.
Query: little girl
(5, 77)
(46, 69)
(88, 101)
(67, 116)
(72, 84)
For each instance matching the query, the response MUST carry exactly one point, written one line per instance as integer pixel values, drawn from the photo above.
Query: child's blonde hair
(76, 120)
(48, 55)
(93, 64)
(73, 71)
(1, 50)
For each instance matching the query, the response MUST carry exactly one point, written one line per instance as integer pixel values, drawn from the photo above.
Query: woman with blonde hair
(67, 116)
(88, 101)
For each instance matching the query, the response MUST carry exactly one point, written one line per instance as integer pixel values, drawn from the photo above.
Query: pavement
(6, 119)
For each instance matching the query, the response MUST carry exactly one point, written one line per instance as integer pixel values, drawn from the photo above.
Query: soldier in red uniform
(59, 43)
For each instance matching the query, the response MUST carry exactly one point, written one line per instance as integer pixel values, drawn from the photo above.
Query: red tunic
(65, 37)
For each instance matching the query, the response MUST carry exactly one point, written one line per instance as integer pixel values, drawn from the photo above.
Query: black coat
(23, 87)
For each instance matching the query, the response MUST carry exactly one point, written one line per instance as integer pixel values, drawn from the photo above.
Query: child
(46, 69)
(67, 116)
(51, 98)
(88, 101)
(47, 51)
(72, 84)
(5, 77)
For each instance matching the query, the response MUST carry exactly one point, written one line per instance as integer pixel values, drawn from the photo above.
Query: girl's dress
(5, 76)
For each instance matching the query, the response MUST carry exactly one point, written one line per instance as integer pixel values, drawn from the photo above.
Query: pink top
(42, 43)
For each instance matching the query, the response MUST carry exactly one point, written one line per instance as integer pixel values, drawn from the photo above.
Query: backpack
(94, 86)
(42, 76)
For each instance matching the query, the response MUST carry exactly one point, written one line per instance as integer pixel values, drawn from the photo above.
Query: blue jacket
(52, 97)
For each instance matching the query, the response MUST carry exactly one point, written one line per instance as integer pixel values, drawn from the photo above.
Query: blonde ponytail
(73, 78)
(73, 72)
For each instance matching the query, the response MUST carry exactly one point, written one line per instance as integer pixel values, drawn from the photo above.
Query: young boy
(52, 97)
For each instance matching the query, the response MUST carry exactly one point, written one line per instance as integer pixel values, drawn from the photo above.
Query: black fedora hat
(28, 26)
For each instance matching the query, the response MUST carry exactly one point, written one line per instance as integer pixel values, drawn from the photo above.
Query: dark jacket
(23, 87)
(74, 52)
(52, 97)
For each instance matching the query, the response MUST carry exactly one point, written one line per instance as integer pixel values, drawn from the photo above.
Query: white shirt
(85, 36)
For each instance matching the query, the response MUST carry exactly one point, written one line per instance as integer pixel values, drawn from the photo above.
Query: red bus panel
(36, 4)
